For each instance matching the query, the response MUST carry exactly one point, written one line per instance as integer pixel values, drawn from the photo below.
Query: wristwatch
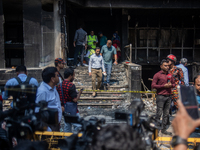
(176, 140)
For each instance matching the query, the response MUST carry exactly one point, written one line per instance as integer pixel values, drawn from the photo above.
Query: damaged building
(35, 32)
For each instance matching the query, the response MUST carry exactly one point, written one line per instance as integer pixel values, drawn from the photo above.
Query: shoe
(94, 94)
(166, 132)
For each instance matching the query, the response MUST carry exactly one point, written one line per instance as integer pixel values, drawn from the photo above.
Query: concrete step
(102, 98)
(104, 94)
(96, 104)
(112, 87)
(87, 75)
(90, 83)
(89, 79)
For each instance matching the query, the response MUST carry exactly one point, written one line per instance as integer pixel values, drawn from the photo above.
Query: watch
(176, 140)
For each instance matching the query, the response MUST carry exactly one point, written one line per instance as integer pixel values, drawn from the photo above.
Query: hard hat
(171, 57)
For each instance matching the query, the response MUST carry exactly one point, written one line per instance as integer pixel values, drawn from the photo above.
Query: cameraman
(70, 95)
(47, 91)
(21, 77)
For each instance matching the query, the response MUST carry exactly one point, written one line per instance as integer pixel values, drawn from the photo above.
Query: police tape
(122, 91)
(118, 91)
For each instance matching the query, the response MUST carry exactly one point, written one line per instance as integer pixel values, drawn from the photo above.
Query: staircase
(108, 99)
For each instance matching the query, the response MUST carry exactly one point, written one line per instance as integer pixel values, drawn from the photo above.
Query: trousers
(96, 73)
(68, 126)
(163, 105)
(78, 48)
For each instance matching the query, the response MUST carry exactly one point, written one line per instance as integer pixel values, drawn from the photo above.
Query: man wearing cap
(183, 63)
(59, 64)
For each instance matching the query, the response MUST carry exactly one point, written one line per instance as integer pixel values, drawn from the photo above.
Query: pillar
(124, 31)
(2, 51)
(134, 76)
(57, 30)
(32, 32)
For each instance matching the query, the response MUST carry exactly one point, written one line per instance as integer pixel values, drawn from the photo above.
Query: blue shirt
(80, 37)
(108, 53)
(14, 82)
(51, 96)
(198, 99)
(185, 73)
(96, 62)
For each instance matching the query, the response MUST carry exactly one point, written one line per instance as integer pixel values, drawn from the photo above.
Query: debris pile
(150, 105)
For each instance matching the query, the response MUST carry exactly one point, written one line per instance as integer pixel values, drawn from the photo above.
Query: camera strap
(25, 82)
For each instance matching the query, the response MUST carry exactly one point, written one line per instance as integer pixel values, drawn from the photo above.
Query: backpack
(25, 82)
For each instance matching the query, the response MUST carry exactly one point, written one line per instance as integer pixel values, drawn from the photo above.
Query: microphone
(169, 76)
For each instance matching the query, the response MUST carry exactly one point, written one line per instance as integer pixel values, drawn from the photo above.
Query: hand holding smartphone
(187, 95)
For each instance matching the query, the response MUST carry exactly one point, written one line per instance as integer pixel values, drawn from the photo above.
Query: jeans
(163, 105)
(78, 48)
(108, 68)
(68, 126)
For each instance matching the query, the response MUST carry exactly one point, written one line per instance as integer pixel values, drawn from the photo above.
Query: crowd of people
(59, 91)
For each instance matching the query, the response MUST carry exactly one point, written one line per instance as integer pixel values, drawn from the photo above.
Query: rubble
(150, 105)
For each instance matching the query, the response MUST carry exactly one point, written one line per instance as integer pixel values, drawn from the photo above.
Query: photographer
(68, 96)
(47, 91)
(21, 78)
(183, 126)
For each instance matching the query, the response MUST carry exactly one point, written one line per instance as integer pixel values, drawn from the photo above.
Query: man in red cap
(59, 64)
(177, 74)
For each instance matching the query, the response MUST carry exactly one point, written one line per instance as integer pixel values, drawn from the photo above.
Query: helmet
(171, 57)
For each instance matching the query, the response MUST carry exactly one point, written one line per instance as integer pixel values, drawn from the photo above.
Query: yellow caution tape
(118, 91)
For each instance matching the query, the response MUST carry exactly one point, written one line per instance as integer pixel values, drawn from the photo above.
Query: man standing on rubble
(95, 64)
(107, 51)
(163, 82)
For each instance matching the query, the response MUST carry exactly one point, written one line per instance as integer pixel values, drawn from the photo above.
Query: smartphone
(187, 95)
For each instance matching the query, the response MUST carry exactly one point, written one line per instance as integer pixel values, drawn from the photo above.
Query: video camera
(89, 128)
(23, 94)
(143, 124)
(22, 120)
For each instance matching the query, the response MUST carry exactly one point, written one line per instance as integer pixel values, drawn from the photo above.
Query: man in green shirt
(103, 39)
(107, 51)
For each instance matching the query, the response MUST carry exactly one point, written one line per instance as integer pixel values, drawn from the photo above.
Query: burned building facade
(35, 32)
